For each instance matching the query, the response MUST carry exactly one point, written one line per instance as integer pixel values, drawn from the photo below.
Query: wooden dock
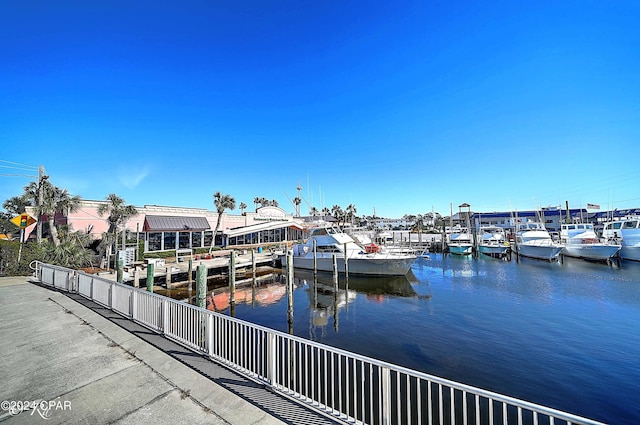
(174, 273)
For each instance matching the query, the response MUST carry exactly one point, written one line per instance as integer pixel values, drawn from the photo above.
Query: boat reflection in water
(327, 296)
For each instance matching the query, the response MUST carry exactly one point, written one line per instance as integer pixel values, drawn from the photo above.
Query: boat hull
(461, 249)
(494, 250)
(539, 251)
(598, 252)
(372, 264)
(630, 253)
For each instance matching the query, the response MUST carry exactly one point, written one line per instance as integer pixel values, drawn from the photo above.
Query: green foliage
(9, 265)
(70, 253)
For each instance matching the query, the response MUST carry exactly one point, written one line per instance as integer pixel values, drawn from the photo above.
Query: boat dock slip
(77, 362)
(175, 273)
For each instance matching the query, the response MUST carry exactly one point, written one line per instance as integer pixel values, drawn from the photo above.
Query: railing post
(210, 334)
(134, 305)
(165, 316)
(75, 282)
(385, 403)
(271, 358)
(112, 296)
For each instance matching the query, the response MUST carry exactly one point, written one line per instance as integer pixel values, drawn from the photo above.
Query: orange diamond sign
(23, 220)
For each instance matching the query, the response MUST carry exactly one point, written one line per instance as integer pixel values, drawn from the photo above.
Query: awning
(163, 223)
(239, 231)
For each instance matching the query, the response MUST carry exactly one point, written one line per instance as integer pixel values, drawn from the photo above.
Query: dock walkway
(91, 365)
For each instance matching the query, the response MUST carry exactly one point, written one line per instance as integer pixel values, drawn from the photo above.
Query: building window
(207, 238)
(184, 240)
(154, 241)
(196, 240)
(169, 241)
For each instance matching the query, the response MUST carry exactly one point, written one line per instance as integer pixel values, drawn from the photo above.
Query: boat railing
(348, 387)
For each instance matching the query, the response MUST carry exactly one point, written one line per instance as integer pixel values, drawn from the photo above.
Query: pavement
(73, 361)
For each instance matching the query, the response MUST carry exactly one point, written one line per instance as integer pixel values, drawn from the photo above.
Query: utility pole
(41, 177)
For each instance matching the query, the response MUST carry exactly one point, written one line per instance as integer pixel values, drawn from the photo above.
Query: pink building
(166, 228)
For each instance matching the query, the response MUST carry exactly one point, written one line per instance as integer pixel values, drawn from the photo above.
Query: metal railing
(346, 386)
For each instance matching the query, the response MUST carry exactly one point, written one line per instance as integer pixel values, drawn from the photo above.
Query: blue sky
(403, 107)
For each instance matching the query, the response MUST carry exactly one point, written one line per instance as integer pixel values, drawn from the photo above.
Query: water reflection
(328, 295)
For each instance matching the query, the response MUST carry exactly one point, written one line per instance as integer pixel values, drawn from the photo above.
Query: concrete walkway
(91, 365)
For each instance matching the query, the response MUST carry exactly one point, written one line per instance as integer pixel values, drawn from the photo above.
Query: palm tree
(57, 200)
(351, 212)
(337, 213)
(297, 201)
(16, 205)
(48, 200)
(314, 212)
(243, 207)
(117, 215)
(325, 212)
(256, 201)
(222, 202)
(274, 203)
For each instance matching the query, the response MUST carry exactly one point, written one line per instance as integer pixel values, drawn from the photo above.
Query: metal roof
(163, 223)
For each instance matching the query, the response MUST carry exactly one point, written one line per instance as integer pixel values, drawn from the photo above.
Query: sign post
(22, 221)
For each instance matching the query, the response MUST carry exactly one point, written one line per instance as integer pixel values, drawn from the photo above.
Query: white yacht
(460, 241)
(627, 233)
(492, 241)
(330, 242)
(581, 241)
(533, 241)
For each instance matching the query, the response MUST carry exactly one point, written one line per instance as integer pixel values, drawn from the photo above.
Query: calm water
(562, 335)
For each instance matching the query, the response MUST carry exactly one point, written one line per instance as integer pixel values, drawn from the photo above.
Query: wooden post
(315, 257)
(120, 271)
(335, 269)
(136, 278)
(201, 286)
(346, 261)
(190, 272)
(290, 289)
(232, 278)
(150, 276)
(253, 266)
(168, 276)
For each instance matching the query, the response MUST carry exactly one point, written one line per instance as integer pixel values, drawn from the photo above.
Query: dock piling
(120, 271)
(150, 276)
(232, 277)
(201, 286)
(289, 283)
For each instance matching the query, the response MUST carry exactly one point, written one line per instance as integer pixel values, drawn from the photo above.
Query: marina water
(565, 335)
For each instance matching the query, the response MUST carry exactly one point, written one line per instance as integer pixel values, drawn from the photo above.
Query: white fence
(348, 387)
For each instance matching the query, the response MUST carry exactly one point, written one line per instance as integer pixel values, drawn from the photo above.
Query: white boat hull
(539, 251)
(494, 250)
(365, 264)
(598, 252)
(461, 249)
(630, 253)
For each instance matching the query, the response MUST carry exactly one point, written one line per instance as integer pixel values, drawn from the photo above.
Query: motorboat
(460, 241)
(327, 244)
(534, 241)
(581, 241)
(626, 232)
(492, 241)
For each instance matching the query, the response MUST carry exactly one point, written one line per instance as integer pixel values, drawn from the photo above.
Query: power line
(32, 167)
(20, 175)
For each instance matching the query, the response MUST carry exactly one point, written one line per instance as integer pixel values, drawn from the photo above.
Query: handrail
(367, 390)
